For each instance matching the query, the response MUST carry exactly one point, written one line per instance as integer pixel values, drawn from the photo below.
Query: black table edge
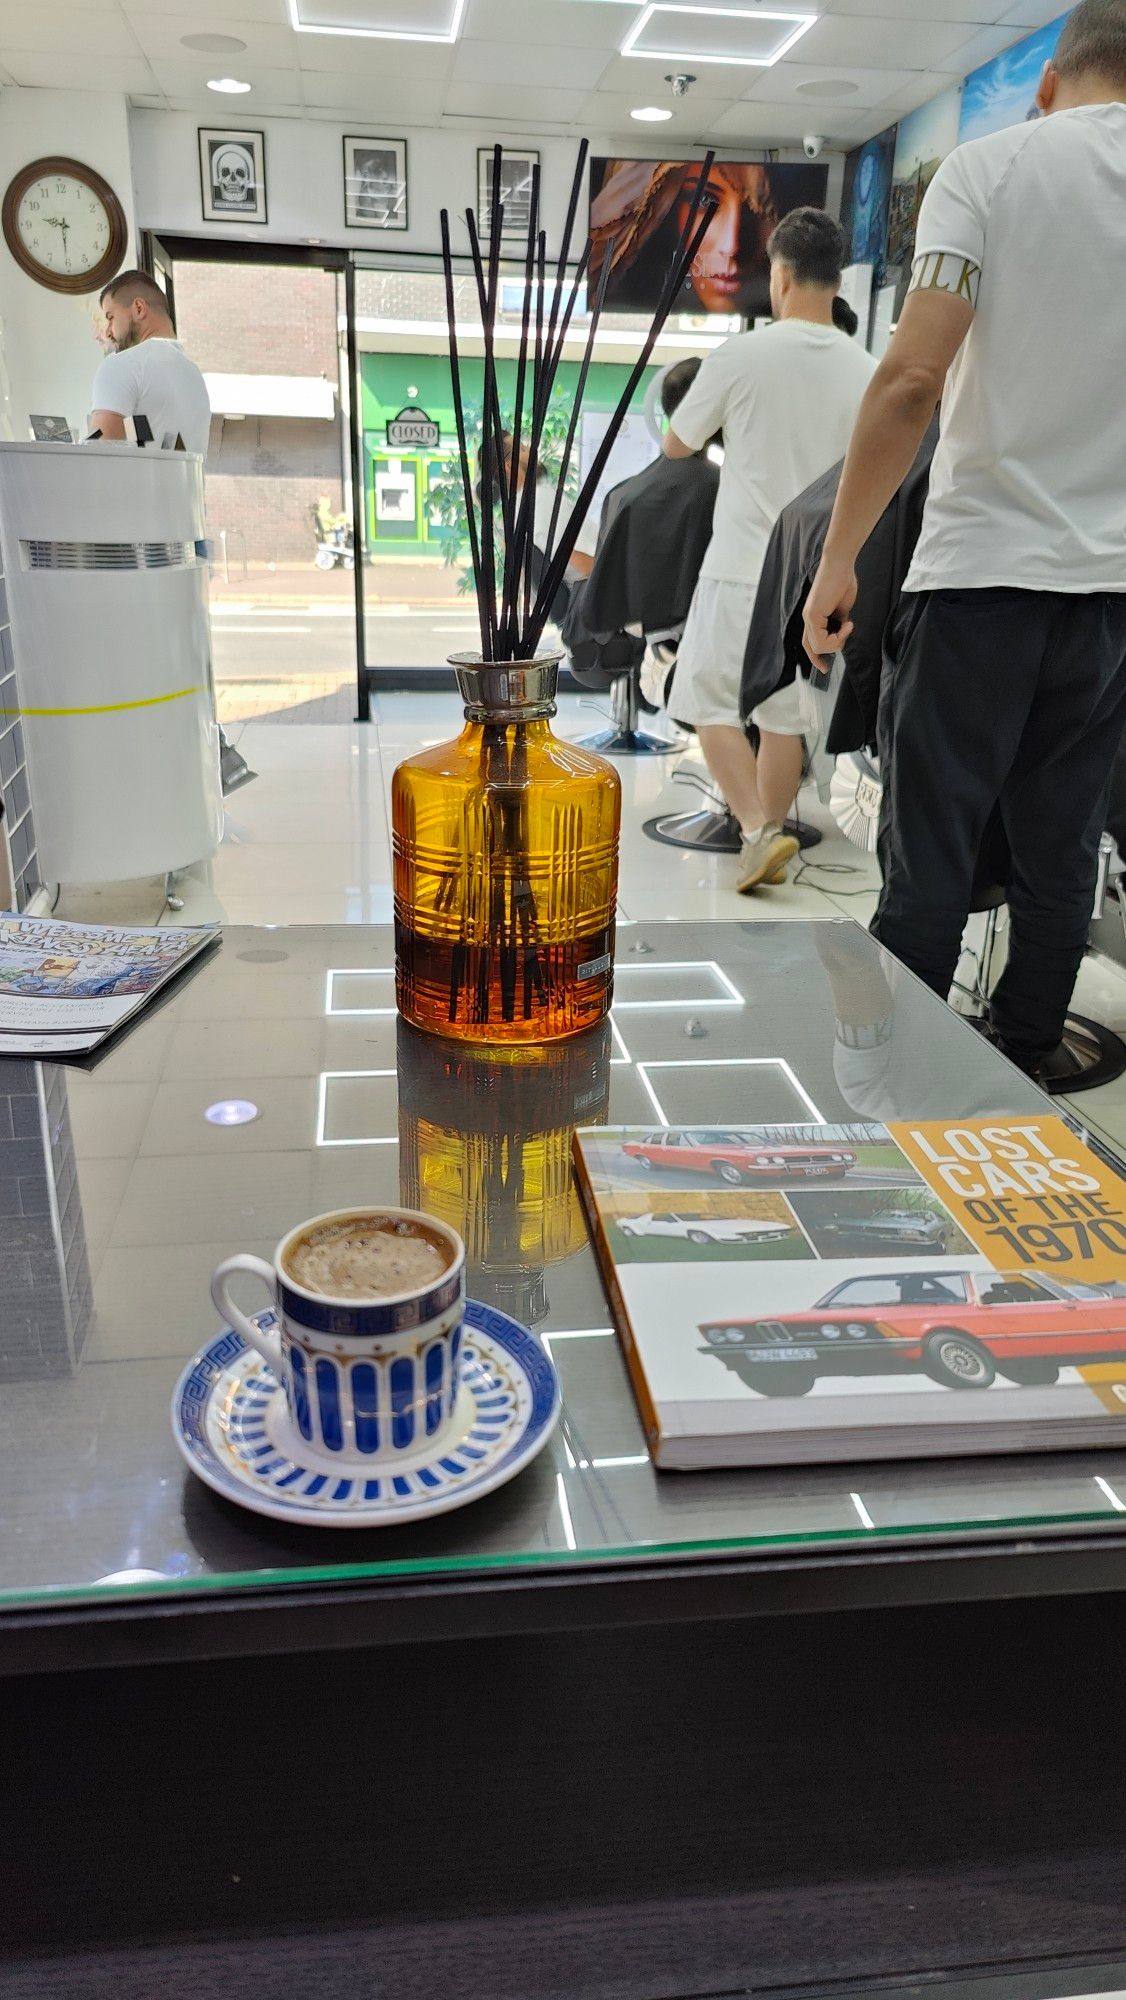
(263, 1620)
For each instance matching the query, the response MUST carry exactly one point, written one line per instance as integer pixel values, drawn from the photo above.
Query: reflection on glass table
(716, 1024)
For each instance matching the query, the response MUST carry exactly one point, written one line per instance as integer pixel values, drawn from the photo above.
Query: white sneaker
(765, 858)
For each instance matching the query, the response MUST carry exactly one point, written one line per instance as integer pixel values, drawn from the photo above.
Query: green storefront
(399, 474)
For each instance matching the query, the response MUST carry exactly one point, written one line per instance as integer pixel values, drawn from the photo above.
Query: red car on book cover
(734, 1158)
(962, 1328)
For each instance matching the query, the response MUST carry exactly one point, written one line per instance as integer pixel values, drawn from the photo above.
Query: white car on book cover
(962, 1328)
(704, 1228)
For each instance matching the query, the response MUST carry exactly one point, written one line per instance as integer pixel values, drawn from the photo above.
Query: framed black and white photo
(375, 183)
(515, 192)
(232, 175)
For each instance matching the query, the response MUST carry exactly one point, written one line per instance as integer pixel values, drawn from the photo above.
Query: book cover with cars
(789, 1293)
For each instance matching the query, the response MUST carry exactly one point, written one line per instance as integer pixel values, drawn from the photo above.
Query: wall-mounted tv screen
(639, 206)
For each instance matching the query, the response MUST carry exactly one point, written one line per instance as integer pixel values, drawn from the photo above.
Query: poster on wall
(637, 211)
(516, 171)
(1003, 92)
(922, 143)
(232, 175)
(866, 201)
(375, 183)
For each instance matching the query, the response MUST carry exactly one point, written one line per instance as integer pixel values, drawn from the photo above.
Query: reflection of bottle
(506, 869)
(485, 1145)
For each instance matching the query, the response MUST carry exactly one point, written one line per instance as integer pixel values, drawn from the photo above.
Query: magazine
(817, 1292)
(65, 988)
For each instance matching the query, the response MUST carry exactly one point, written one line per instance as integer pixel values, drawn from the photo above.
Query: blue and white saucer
(230, 1421)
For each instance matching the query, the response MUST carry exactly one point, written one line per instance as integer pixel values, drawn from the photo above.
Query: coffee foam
(374, 1256)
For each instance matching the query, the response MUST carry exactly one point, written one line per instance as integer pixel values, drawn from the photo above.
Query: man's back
(1029, 481)
(786, 399)
(655, 531)
(156, 379)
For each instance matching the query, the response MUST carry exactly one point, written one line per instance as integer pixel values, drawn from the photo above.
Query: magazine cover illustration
(861, 1290)
(64, 986)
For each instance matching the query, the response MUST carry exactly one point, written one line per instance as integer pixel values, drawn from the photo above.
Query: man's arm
(890, 425)
(109, 422)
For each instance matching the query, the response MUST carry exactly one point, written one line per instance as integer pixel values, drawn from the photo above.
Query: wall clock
(64, 225)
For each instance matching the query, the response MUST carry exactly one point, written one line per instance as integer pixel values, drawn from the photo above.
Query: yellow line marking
(108, 707)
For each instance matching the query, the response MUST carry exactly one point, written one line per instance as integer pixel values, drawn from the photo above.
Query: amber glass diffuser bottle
(506, 868)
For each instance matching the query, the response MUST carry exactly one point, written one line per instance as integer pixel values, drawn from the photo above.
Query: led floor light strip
(727, 1062)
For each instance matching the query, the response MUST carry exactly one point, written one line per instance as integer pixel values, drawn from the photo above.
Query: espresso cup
(371, 1381)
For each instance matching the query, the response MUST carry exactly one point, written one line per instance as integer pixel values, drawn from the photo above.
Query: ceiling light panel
(675, 31)
(380, 20)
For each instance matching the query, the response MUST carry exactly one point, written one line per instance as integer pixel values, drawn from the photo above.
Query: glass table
(782, 1689)
(123, 1186)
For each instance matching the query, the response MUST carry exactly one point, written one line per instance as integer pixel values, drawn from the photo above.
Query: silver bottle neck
(508, 690)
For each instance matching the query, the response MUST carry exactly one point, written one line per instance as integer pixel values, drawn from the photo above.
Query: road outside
(283, 639)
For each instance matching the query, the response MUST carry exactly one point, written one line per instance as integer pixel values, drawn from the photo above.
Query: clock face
(63, 225)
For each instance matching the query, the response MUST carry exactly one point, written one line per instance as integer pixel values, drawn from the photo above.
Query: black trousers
(1009, 701)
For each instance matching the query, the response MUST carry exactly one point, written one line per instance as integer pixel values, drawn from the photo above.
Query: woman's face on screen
(735, 241)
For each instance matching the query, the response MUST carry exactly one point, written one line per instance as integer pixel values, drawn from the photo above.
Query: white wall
(48, 345)
(305, 179)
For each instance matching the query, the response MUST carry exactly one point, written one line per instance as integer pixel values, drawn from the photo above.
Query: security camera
(812, 146)
(681, 82)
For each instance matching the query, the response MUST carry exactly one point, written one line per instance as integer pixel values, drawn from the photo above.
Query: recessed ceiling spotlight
(791, 28)
(650, 114)
(828, 86)
(229, 86)
(213, 45)
(231, 1111)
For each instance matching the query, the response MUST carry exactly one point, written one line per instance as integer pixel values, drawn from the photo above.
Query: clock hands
(60, 222)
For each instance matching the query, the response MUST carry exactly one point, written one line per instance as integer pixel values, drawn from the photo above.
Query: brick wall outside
(251, 319)
(264, 476)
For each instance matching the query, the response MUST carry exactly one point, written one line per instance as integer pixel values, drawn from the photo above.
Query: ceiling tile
(769, 124)
(981, 48)
(576, 24)
(907, 97)
(516, 63)
(65, 30)
(932, 10)
(418, 62)
(78, 72)
(608, 111)
(496, 102)
(271, 42)
(397, 103)
(188, 78)
(860, 41)
(1034, 13)
(242, 10)
(644, 82)
(781, 85)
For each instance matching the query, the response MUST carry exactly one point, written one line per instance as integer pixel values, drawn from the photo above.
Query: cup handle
(268, 1345)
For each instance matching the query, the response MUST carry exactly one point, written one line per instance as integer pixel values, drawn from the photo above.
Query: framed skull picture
(232, 174)
(375, 183)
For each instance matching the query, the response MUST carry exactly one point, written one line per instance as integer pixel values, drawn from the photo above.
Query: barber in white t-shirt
(785, 399)
(1005, 684)
(148, 374)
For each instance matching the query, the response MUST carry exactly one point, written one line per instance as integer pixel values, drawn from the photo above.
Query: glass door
(269, 331)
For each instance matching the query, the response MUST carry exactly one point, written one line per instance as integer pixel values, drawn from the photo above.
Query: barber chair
(1089, 1054)
(624, 738)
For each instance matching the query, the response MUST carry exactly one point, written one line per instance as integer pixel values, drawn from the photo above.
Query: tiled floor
(309, 842)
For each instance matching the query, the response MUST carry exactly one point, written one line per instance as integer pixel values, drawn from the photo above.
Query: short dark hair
(1093, 42)
(811, 243)
(138, 285)
(844, 319)
(677, 381)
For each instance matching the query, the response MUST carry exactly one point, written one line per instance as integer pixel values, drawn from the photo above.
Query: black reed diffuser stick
(512, 627)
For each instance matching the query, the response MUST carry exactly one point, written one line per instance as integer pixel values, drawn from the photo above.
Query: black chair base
(713, 830)
(1088, 1056)
(709, 831)
(628, 743)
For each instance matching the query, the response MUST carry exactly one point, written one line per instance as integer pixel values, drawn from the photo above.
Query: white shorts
(709, 665)
(707, 687)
